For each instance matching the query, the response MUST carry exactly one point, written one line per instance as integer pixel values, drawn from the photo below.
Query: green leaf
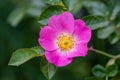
(52, 2)
(114, 38)
(99, 71)
(118, 61)
(117, 22)
(112, 70)
(17, 15)
(22, 55)
(38, 50)
(47, 13)
(47, 69)
(95, 7)
(95, 22)
(93, 78)
(105, 32)
(114, 9)
(111, 62)
(36, 7)
(70, 4)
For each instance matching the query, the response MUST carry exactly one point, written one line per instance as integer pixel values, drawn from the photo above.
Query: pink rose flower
(64, 38)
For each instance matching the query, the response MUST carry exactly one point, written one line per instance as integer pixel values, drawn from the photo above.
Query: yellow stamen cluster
(65, 42)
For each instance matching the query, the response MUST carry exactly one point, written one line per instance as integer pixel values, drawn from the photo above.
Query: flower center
(65, 42)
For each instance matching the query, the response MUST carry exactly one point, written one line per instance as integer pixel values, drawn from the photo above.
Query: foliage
(23, 55)
(47, 68)
(103, 17)
(51, 10)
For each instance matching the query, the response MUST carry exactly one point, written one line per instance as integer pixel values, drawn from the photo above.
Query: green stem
(106, 77)
(103, 53)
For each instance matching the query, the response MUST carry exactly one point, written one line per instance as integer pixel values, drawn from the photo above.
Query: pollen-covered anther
(65, 42)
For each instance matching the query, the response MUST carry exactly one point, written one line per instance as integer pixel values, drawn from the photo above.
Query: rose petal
(67, 20)
(62, 23)
(57, 58)
(81, 31)
(55, 23)
(79, 50)
(47, 38)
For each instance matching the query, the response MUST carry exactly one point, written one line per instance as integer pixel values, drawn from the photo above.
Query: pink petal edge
(80, 50)
(62, 23)
(82, 32)
(47, 38)
(57, 58)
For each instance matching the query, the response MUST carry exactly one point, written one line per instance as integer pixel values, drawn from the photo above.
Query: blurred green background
(19, 28)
